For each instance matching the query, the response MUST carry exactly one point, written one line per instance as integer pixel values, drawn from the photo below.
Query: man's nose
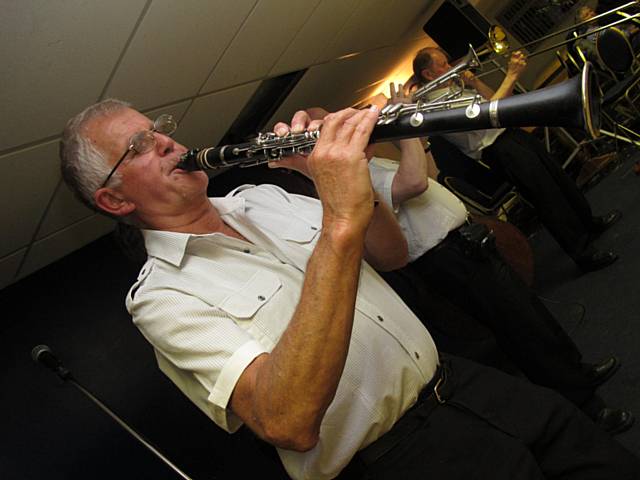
(164, 144)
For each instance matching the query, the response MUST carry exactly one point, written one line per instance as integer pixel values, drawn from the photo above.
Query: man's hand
(338, 166)
(517, 64)
(398, 94)
(469, 78)
(300, 122)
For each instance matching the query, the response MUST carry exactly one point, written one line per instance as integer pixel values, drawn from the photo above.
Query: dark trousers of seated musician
(525, 433)
(488, 291)
(560, 205)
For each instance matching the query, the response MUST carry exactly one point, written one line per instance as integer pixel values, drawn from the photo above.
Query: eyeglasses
(144, 141)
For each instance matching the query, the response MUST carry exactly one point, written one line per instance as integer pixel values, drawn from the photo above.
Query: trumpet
(574, 103)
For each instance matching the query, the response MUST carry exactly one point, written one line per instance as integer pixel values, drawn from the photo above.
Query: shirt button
(380, 318)
(417, 355)
(261, 298)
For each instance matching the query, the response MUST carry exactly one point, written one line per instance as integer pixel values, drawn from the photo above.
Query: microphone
(43, 354)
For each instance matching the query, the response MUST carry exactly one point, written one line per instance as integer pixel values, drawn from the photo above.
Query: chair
(619, 103)
(615, 52)
(481, 189)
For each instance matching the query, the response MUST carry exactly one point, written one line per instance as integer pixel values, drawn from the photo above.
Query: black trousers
(498, 427)
(493, 295)
(562, 208)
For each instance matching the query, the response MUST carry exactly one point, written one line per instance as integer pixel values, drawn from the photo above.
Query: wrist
(344, 236)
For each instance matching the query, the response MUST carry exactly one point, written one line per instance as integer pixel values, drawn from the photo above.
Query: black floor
(601, 310)
(50, 430)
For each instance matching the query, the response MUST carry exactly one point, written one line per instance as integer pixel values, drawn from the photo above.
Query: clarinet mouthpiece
(188, 161)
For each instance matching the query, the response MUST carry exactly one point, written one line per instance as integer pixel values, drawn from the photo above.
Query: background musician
(523, 160)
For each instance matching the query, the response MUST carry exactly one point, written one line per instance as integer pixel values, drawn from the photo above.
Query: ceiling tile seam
(195, 97)
(13, 252)
(33, 241)
(339, 32)
(294, 37)
(215, 65)
(37, 229)
(127, 44)
(27, 145)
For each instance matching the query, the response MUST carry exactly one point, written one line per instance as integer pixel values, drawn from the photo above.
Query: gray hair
(84, 167)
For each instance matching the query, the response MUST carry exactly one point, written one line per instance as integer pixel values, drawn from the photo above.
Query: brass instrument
(501, 47)
(452, 79)
(572, 103)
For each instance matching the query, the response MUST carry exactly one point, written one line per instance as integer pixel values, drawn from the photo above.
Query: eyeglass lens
(144, 141)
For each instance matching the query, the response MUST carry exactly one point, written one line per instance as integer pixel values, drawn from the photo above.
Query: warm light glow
(400, 72)
(399, 75)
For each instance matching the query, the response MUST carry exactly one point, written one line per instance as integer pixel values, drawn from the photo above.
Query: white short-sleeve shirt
(209, 304)
(472, 142)
(425, 219)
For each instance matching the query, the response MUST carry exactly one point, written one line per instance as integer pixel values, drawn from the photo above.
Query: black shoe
(596, 261)
(603, 371)
(600, 224)
(614, 420)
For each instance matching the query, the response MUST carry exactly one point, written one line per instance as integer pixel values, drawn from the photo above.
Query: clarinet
(573, 103)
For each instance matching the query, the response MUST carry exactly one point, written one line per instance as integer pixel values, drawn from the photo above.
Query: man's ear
(113, 202)
(426, 74)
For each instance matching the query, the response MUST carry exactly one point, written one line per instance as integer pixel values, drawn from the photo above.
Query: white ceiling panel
(262, 39)
(63, 211)
(35, 172)
(358, 34)
(375, 23)
(336, 85)
(424, 11)
(210, 116)
(311, 41)
(175, 49)
(56, 246)
(9, 267)
(56, 58)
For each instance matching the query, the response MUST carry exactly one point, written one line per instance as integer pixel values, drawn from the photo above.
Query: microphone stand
(66, 376)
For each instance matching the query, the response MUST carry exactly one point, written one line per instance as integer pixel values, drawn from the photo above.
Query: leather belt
(434, 393)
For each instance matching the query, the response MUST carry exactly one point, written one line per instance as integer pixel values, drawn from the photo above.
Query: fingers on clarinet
(300, 121)
(314, 125)
(362, 132)
(333, 123)
(281, 129)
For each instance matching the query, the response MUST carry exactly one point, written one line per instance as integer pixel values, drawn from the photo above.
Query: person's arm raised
(517, 64)
(283, 396)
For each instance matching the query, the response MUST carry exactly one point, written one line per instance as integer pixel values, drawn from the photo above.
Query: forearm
(482, 88)
(411, 177)
(299, 380)
(385, 244)
(506, 88)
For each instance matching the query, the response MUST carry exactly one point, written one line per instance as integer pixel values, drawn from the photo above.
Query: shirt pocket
(245, 302)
